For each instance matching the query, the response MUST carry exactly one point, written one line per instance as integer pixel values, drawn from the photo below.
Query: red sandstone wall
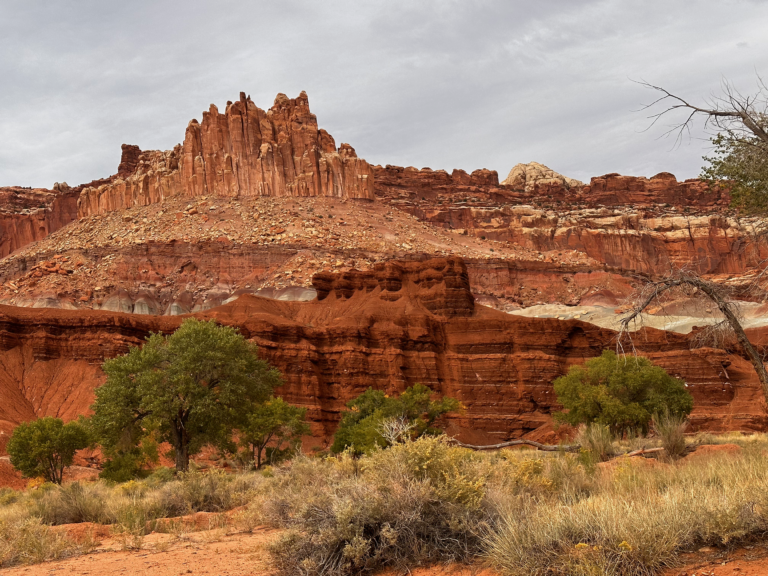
(28, 215)
(408, 323)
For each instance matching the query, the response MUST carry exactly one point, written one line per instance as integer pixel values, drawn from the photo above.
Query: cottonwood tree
(189, 389)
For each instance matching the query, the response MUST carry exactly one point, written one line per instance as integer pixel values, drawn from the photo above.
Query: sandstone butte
(350, 275)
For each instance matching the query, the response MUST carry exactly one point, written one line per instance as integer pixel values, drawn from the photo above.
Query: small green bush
(622, 393)
(360, 426)
(45, 447)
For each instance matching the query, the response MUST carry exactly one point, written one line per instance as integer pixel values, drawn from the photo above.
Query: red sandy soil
(209, 552)
(749, 561)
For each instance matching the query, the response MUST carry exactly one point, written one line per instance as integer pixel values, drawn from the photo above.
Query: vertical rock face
(27, 214)
(245, 151)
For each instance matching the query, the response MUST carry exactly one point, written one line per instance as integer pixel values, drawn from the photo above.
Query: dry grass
(520, 511)
(133, 508)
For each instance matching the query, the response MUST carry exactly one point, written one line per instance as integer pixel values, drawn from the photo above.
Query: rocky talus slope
(401, 323)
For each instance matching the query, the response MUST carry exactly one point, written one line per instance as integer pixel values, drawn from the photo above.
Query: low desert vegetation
(426, 500)
(394, 491)
(45, 447)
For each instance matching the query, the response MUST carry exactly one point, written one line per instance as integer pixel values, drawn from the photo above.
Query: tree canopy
(189, 389)
(45, 447)
(622, 393)
(269, 427)
(360, 426)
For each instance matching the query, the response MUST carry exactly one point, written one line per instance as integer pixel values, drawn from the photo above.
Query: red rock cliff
(401, 324)
(27, 215)
(243, 152)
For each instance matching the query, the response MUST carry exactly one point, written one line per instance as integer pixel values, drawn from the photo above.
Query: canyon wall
(243, 152)
(629, 224)
(27, 215)
(403, 323)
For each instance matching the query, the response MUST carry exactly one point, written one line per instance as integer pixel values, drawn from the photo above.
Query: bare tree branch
(654, 289)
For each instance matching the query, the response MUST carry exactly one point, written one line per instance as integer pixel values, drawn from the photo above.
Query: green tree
(275, 422)
(45, 447)
(619, 392)
(360, 426)
(189, 389)
(741, 166)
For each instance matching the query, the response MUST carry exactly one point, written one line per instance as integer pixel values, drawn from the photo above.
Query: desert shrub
(45, 447)
(212, 491)
(596, 443)
(419, 501)
(360, 426)
(24, 539)
(671, 430)
(636, 520)
(620, 392)
(72, 503)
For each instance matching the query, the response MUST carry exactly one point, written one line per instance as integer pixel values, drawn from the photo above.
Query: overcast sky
(446, 84)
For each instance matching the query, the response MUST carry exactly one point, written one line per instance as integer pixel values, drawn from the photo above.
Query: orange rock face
(627, 223)
(403, 323)
(27, 215)
(243, 152)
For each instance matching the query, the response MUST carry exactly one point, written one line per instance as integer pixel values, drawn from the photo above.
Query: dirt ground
(747, 561)
(211, 552)
(218, 553)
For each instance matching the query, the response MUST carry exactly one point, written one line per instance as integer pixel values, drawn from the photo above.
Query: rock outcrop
(243, 152)
(27, 214)
(627, 224)
(528, 176)
(403, 323)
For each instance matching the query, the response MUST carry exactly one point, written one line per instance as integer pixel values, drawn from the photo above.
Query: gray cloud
(447, 84)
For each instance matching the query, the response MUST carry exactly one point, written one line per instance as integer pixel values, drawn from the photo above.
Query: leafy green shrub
(275, 422)
(360, 426)
(621, 393)
(45, 447)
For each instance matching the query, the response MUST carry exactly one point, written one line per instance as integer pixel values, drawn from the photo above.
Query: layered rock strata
(27, 214)
(628, 224)
(403, 323)
(243, 152)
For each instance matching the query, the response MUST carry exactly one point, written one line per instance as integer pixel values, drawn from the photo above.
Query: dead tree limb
(738, 115)
(537, 445)
(713, 292)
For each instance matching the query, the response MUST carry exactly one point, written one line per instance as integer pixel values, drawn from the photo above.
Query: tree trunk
(181, 446)
(741, 336)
